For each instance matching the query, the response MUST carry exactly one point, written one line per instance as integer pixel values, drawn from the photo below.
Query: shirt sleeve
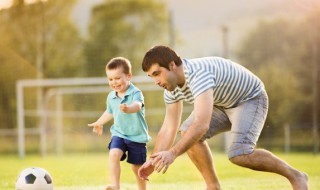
(138, 96)
(109, 107)
(201, 82)
(168, 98)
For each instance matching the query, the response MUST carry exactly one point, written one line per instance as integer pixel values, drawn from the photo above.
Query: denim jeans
(245, 121)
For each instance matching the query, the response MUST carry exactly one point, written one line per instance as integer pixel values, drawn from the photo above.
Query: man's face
(163, 77)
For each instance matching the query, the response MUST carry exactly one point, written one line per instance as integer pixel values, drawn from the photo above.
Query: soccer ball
(34, 179)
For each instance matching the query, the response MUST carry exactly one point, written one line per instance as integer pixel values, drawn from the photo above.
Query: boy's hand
(124, 108)
(96, 128)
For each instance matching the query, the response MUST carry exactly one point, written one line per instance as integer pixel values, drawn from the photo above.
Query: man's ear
(171, 65)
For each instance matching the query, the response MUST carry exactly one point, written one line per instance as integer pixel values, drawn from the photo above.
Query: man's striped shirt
(231, 82)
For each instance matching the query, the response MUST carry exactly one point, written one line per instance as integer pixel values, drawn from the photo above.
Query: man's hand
(162, 160)
(146, 170)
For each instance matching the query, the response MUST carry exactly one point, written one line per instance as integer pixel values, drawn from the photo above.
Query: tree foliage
(43, 31)
(280, 52)
(31, 33)
(124, 28)
(10, 73)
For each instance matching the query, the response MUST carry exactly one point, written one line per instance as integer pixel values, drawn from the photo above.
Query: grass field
(89, 171)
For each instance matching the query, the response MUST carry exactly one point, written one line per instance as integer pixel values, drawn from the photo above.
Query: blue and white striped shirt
(231, 82)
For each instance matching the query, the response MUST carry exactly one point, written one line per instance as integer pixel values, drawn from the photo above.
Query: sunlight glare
(5, 4)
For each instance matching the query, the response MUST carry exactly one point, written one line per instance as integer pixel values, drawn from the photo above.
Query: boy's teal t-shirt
(131, 126)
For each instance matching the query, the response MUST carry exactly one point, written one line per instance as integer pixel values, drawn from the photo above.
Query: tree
(33, 29)
(64, 45)
(281, 85)
(27, 31)
(124, 28)
(10, 73)
(274, 51)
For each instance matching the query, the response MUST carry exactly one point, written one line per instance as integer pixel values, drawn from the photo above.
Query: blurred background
(53, 54)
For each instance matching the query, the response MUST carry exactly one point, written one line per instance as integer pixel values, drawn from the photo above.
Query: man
(226, 96)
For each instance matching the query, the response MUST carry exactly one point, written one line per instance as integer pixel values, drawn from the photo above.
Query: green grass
(89, 171)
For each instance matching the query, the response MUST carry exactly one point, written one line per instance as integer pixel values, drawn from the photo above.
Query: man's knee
(237, 159)
(239, 149)
(240, 160)
(239, 154)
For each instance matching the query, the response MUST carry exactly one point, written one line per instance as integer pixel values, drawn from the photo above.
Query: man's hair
(161, 55)
(117, 62)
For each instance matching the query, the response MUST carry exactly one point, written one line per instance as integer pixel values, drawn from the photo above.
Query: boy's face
(118, 80)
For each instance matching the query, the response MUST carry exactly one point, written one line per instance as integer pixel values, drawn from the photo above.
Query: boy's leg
(115, 155)
(117, 151)
(137, 155)
(142, 184)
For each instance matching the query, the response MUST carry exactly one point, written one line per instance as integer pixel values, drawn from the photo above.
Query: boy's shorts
(137, 152)
(245, 121)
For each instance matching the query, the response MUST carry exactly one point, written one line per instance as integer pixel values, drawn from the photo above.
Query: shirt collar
(128, 92)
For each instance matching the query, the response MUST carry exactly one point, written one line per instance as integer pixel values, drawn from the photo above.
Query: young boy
(125, 104)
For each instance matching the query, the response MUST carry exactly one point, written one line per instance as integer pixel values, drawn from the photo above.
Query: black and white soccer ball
(34, 179)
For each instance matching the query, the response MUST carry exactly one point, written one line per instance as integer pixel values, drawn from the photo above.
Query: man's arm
(165, 137)
(202, 116)
(168, 131)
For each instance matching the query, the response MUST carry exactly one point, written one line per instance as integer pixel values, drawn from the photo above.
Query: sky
(198, 24)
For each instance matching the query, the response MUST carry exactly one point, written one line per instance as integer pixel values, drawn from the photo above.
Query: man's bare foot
(300, 182)
(112, 187)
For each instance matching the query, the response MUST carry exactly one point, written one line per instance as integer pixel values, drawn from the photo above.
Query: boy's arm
(138, 101)
(133, 108)
(98, 125)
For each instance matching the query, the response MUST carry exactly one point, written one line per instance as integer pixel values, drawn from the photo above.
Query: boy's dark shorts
(137, 152)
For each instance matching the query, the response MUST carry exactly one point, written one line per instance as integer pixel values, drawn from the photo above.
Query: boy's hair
(117, 62)
(162, 55)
